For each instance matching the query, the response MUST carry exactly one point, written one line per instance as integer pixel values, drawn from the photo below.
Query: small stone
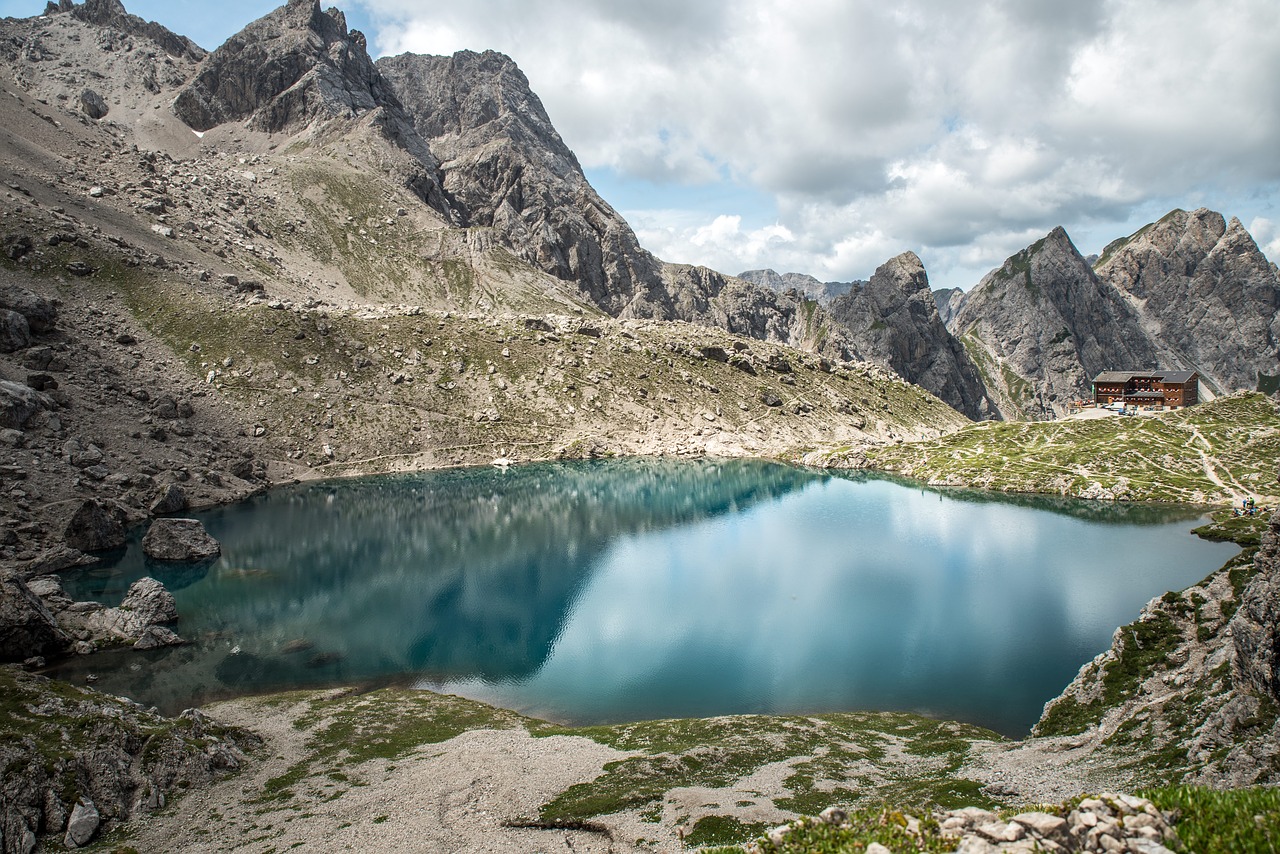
(877, 848)
(1041, 823)
(834, 815)
(96, 192)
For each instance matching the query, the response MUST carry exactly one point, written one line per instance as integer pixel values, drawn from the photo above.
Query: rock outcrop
(79, 762)
(1206, 294)
(1191, 687)
(111, 14)
(143, 619)
(1042, 326)
(1255, 629)
(893, 320)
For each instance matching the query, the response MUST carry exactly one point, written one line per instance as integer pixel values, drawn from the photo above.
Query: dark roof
(1170, 377)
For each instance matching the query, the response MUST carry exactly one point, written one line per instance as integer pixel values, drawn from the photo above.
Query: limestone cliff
(1206, 293)
(893, 320)
(1042, 325)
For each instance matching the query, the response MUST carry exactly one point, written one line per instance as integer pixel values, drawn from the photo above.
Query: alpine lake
(622, 590)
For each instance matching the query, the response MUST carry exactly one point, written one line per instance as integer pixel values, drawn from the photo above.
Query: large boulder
(18, 403)
(95, 527)
(172, 499)
(82, 825)
(26, 627)
(179, 540)
(15, 334)
(41, 314)
(150, 602)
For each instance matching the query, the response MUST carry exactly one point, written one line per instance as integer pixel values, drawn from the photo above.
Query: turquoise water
(611, 591)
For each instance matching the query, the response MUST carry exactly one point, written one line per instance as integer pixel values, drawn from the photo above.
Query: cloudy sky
(827, 136)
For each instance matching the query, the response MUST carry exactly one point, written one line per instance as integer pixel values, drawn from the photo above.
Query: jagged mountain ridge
(1042, 325)
(823, 292)
(1206, 293)
(468, 137)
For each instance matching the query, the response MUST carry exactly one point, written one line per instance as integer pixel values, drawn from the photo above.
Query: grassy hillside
(1216, 452)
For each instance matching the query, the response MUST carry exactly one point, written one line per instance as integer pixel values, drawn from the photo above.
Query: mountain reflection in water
(603, 591)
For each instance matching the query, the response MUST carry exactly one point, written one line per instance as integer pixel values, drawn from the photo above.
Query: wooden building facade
(1147, 388)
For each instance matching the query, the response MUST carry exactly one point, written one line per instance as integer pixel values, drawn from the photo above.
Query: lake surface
(623, 590)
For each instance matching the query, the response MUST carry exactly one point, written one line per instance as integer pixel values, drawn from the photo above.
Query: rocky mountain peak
(283, 71)
(112, 14)
(812, 288)
(894, 320)
(904, 272)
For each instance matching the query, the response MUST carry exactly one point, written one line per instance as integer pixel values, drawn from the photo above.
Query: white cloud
(1267, 234)
(950, 129)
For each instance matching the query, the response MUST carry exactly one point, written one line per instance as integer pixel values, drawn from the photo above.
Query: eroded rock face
(894, 321)
(179, 540)
(1046, 317)
(506, 168)
(27, 627)
(1207, 292)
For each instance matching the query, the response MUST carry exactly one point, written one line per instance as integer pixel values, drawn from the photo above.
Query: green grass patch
(1235, 821)
(721, 830)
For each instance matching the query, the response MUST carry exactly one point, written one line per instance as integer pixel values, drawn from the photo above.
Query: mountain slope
(1042, 325)
(1206, 293)
(505, 167)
